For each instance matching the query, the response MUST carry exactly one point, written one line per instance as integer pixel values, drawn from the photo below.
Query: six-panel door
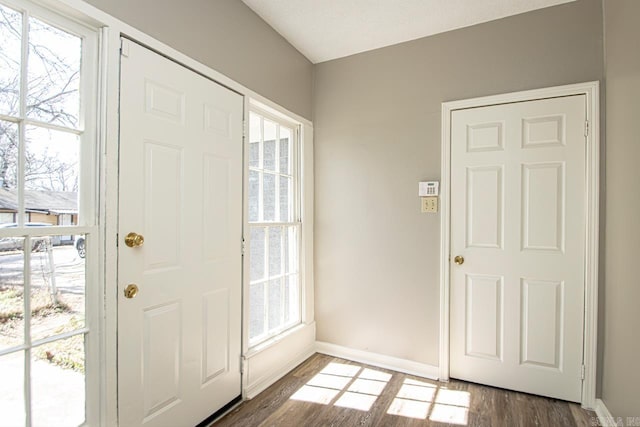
(179, 338)
(518, 219)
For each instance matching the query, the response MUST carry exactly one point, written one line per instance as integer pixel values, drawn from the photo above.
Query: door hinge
(244, 246)
(582, 372)
(244, 129)
(242, 360)
(586, 128)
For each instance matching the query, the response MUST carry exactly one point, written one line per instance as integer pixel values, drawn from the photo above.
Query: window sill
(270, 342)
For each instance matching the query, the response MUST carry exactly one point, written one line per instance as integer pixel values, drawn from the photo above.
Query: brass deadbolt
(131, 291)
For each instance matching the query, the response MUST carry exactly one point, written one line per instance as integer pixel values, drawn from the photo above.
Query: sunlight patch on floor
(355, 387)
(422, 400)
(320, 395)
(413, 399)
(361, 402)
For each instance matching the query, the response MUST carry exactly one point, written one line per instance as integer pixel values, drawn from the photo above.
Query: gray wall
(621, 374)
(229, 37)
(377, 134)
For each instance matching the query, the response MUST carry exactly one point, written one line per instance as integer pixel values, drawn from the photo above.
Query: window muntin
(274, 227)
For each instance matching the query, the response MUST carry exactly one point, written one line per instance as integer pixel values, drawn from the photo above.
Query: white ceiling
(330, 29)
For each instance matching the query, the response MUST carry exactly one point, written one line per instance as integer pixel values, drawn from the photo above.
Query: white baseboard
(266, 366)
(605, 417)
(380, 360)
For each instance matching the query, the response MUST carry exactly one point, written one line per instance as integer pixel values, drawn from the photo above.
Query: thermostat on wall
(428, 189)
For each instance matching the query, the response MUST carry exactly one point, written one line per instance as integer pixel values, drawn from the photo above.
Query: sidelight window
(47, 195)
(274, 227)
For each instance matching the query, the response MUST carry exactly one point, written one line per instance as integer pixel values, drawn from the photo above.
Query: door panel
(162, 197)
(543, 206)
(179, 338)
(162, 336)
(484, 316)
(541, 333)
(485, 205)
(518, 219)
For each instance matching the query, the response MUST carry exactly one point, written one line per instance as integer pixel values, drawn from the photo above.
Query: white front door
(518, 220)
(179, 338)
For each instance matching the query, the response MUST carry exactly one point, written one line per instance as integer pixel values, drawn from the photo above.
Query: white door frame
(591, 90)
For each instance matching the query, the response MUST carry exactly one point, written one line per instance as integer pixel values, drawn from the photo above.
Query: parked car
(80, 246)
(15, 243)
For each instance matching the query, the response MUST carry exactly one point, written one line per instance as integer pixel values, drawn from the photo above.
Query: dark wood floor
(326, 391)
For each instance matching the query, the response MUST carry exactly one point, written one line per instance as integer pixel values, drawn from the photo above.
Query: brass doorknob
(131, 291)
(459, 260)
(133, 240)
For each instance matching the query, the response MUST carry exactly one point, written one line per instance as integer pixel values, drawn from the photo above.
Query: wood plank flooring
(327, 391)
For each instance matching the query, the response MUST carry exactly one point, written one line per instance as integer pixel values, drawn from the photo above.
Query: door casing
(592, 130)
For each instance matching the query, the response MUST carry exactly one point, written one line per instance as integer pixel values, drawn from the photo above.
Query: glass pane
(254, 195)
(286, 202)
(269, 200)
(285, 154)
(275, 251)
(291, 300)
(12, 390)
(275, 304)
(51, 175)
(10, 59)
(269, 146)
(270, 155)
(256, 254)
(57, 288)
(254, 154)
(291, 250)
(57, 383)
(11, 292)
(256, 309)
(54, 75)
(52, 165)
(9, 164)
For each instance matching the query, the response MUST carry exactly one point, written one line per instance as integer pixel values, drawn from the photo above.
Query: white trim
(445, 168)
(306, 183)
(604, 416)
(380, 360)
(102, 342)
(591, 90)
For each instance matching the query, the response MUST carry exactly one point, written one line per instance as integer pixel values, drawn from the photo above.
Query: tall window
(47, 194)
(274, 227)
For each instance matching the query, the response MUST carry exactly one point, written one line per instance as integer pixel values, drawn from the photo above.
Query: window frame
(297, 221)
(89, 177)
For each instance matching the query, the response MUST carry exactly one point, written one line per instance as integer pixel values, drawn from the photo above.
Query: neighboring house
(51, 207)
